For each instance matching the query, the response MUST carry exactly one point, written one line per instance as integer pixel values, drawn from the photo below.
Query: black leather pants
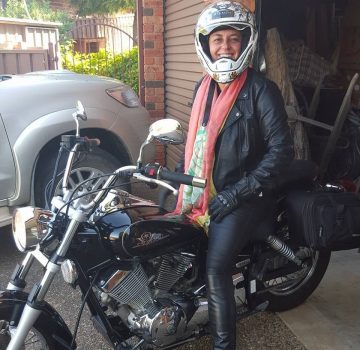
(226, 240)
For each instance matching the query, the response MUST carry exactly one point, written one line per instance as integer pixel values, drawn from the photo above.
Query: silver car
(36, 109)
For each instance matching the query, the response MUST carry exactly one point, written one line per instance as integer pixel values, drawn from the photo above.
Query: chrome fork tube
(22, 272)
(30, 313)
(28, 318)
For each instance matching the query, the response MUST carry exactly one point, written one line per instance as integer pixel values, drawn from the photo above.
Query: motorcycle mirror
(80, 111)
(166, 131)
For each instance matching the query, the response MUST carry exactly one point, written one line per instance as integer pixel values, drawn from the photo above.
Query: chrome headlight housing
(30, 226)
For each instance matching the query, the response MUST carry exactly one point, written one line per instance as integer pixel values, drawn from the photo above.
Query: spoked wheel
(37, 339)
(92, 166)
(291, 290)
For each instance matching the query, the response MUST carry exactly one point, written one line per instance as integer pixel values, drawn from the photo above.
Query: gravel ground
(259, 332)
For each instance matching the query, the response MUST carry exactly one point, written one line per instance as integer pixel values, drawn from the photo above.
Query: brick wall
(153, 37)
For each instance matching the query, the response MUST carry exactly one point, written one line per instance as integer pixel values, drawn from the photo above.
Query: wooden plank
(2, 64)
(181, 40)
(186, 110)
(188, 85)
(180, 90)
(185, 101)
(188, 67)
(187, 58)
(39, 62)
(24, 63)
(182, 22)
(10, 63)
(179, 115)
(190, 76)
(336, 132)
(178, 28)
(173, 154)
(177, 6)
(185, 12)
(190, 48)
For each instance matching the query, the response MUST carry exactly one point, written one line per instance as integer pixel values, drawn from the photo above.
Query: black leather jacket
(255, 143)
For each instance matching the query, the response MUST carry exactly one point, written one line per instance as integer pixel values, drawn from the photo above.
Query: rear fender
(12, 304)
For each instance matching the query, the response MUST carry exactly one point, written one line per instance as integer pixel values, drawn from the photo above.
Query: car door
(7, 166)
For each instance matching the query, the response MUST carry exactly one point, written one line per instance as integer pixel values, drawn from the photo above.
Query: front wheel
(288, 291)
(48, 333)
(37, 338)
(87, 166)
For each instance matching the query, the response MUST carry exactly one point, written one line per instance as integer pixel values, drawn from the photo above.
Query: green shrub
(122, 66)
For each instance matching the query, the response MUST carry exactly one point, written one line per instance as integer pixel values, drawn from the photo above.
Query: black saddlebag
(326, 220)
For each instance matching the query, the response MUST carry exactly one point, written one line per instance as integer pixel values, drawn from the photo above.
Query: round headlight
(29, 226)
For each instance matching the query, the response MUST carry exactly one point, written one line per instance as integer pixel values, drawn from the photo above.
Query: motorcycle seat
(298, 176)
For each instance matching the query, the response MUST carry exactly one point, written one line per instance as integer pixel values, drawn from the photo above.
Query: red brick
(149, 76)
(158, 11)
(158, 28)
(153, 69)
(159, 106)
(158, 44)
(159, 60)
(153, 3)
(153, 20)
(159, 99)
(150, 92)
(148, 28)
(157, 114)
(159, 76)
(149, 60)
(159, 91)
(153, 52)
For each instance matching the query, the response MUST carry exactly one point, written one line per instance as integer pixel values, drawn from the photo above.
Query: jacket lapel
(237, 111)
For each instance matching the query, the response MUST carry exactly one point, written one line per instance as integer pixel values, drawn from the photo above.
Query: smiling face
(225, 43)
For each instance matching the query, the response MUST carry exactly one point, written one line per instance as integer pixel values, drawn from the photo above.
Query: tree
(98, 7)
(92, 7)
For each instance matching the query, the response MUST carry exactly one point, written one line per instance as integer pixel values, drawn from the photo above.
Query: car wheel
(86, 167)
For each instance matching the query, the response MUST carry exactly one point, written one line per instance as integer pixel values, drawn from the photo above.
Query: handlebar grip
(92, 142)
(182, 178)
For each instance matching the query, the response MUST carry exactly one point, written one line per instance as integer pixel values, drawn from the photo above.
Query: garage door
(182, 68)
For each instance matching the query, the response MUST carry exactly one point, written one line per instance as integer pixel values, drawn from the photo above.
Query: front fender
(12, 304)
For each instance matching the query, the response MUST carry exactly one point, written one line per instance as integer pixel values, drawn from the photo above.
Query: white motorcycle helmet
(221, 15)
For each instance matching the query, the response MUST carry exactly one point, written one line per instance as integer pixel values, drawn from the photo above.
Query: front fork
(32, 310)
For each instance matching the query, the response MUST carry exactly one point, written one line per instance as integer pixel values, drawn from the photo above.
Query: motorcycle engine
(143, 299)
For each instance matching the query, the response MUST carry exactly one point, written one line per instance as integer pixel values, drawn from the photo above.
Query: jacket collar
(236, 111)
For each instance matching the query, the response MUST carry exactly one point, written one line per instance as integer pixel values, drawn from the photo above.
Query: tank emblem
(147, 238)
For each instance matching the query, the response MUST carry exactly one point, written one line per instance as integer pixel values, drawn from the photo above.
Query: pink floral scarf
(199, 160)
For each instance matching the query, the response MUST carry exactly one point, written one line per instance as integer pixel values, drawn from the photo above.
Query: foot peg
(245, 312)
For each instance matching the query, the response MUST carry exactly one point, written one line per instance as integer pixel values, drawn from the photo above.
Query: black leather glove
(221, 205)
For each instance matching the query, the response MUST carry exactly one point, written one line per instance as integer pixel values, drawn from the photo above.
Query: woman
(239, 140)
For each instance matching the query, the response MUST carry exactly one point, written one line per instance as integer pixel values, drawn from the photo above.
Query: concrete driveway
(330, 319)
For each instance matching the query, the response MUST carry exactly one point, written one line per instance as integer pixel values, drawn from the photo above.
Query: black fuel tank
(145, 232)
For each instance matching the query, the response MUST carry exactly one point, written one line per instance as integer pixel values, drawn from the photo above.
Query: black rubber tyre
(97, 162)
(282, 299)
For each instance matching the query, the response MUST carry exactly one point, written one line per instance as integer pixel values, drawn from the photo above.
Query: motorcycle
(141, 270)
